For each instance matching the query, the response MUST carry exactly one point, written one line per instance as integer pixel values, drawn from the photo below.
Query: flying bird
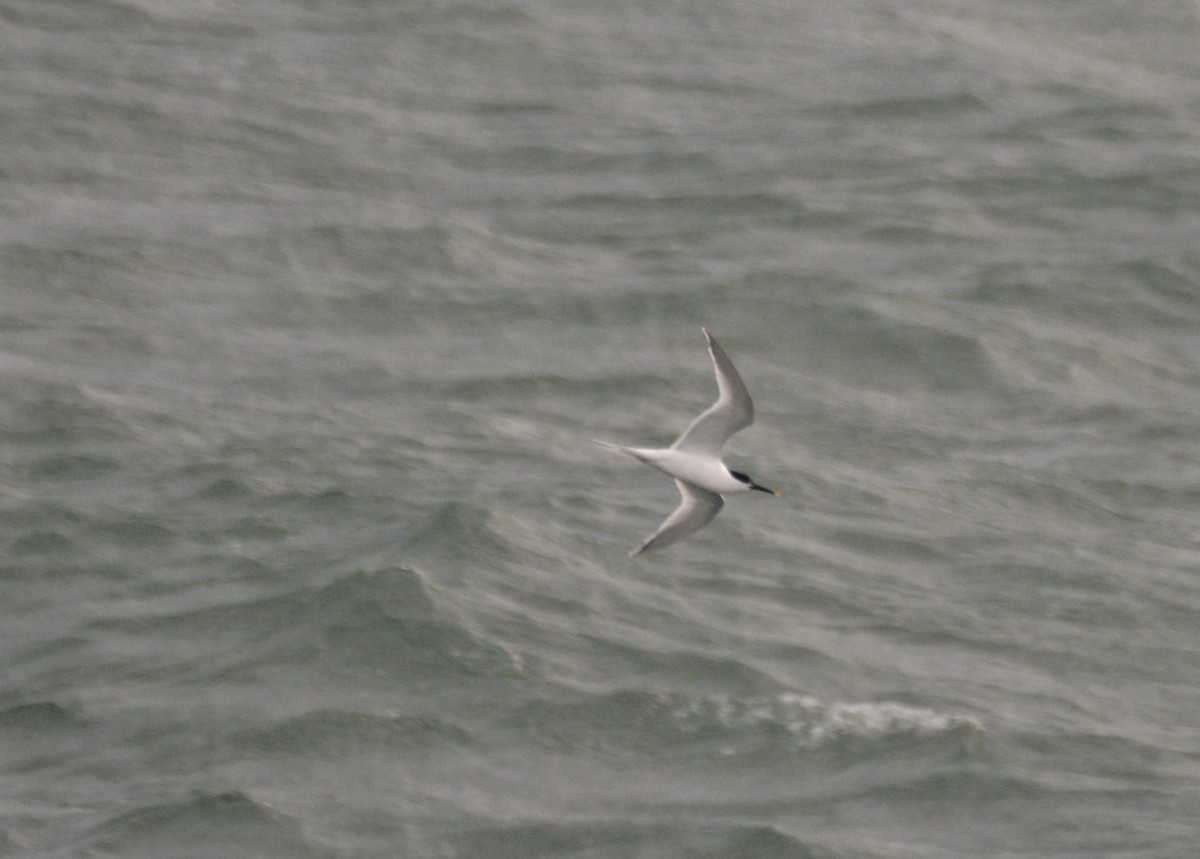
(694, 460)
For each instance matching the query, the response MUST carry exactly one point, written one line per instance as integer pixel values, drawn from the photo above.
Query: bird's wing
(732, 411)
(696, 510)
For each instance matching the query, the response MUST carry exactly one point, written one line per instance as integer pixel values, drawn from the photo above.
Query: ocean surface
(308, 311)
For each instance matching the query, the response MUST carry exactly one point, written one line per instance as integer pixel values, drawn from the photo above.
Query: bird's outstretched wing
(733, 410)
(696, 510)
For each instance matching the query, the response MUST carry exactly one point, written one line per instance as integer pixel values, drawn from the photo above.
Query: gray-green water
(306, 309)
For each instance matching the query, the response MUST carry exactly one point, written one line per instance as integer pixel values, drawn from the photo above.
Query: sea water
(309, 309)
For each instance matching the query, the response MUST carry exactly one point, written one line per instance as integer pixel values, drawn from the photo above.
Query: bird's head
(750, 484)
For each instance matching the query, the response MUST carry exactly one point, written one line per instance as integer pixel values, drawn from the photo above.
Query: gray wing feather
(696, 510)
(733, 411)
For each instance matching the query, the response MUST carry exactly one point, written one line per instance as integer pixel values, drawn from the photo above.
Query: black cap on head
(745, 478)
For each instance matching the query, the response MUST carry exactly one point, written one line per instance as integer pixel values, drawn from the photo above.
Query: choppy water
(305, 309)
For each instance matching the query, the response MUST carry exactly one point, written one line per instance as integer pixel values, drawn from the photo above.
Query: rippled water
(308, 309)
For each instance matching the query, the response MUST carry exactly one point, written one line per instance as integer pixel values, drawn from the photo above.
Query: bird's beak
(764, 489)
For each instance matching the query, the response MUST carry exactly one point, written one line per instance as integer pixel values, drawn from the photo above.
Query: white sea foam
(882, 719)
(813, 723)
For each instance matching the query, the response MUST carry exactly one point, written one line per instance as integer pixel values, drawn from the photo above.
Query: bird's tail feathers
(642, 454)
(617, 448)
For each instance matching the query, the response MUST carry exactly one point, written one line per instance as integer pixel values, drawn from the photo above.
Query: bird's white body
(694, 460)
(705, 472)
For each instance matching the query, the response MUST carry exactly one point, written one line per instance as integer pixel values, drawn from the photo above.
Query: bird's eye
(742, 477)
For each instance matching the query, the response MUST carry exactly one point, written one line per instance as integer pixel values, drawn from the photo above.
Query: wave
(674, 724)
(619, 836)
(341, 733)
(376, 624)
(230, 823)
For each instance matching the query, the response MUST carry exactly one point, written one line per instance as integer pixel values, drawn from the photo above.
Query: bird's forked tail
(636, 452)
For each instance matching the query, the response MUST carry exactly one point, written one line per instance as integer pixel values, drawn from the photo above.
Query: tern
(694, 460)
